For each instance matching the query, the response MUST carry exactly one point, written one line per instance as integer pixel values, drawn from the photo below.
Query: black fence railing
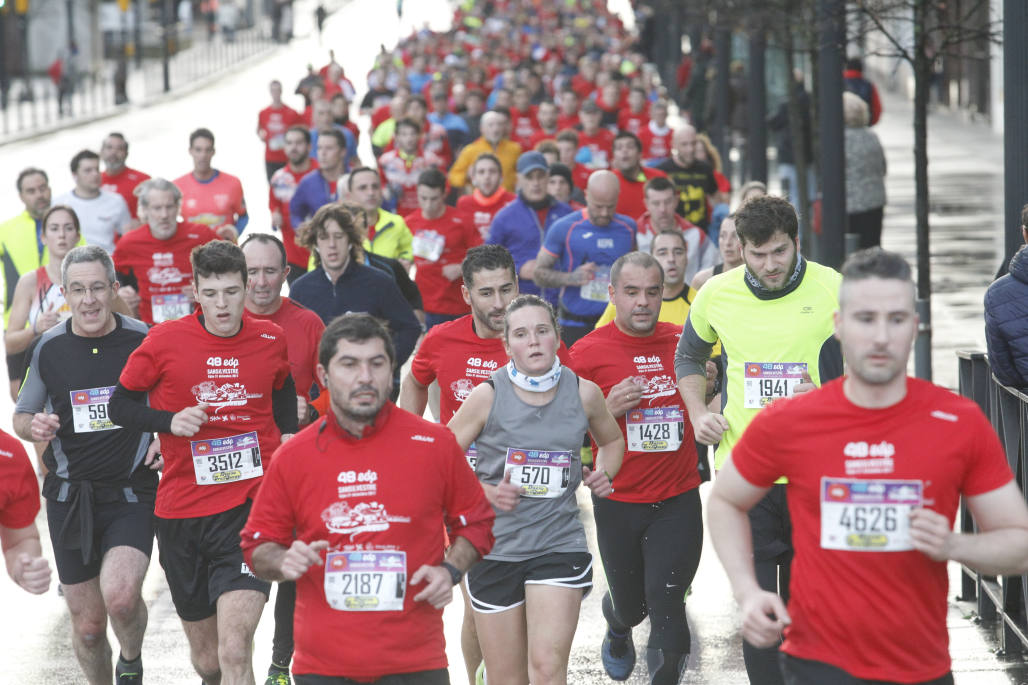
(1000, 599)
(180, 57)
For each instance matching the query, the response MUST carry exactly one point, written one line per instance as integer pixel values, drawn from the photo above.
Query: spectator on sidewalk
(1006, 319)
(865, 173)
(779, 122)
(854, 82)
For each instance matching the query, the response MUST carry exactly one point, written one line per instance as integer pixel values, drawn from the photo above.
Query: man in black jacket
(1006, 319)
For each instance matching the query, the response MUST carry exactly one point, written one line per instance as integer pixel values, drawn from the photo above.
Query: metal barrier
(1003, 598)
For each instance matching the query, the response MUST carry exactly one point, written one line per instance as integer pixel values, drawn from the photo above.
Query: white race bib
(596, 289)
(89, 409)
(868, 515)
(655, 429)
(539, 473)
(428, 245)
(765, 382)
(277, 142)
(170, 307)
(226, 460)
(366, 581)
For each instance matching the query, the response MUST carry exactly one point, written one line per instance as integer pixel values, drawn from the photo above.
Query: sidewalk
(93, 98)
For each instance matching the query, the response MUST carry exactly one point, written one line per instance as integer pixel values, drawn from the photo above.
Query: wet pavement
(966, 179)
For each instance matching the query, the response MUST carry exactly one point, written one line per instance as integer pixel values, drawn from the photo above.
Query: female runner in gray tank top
(527, 424)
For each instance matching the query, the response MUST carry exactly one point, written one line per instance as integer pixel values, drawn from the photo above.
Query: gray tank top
(540, 446)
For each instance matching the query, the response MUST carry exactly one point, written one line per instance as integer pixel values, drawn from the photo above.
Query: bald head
(601, 197)
(683, 144)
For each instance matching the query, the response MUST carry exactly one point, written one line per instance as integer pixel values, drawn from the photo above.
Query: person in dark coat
(1006, 319)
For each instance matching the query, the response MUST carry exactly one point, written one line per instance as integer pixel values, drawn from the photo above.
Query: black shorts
(495, 586)
(807, 672)
(437, 677)
(115, 524)
(202, 559)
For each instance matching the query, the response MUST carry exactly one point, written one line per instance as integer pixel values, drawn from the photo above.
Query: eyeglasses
(95, 290)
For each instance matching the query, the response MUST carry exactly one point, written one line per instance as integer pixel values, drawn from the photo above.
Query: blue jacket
(1006, 323)
(311, 194)
(360, 289)
(516, 227)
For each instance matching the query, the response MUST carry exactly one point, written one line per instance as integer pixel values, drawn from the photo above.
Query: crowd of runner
(536, 260)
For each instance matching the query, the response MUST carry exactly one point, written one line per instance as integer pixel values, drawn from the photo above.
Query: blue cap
(529, 161)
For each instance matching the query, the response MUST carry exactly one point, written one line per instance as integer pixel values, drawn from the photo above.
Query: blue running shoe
(618, 655)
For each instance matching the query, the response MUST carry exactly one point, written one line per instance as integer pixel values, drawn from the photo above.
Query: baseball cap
(530, 161)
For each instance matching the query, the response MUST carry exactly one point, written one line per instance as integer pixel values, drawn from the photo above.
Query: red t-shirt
(523, 125)
(567, 121)
(388, 496)
(303, 335)
(123, 183)
(607, 356)
(180, 364)
(482, 209)
(538, 136)
(631, 198)
(655, 145)
(274, 122)
(19, 489)
(438, 242)
(281, 190)
(161, 268)
(455, 355)
(214, 203)
(600, 144)
(879, 615)
(633, 122)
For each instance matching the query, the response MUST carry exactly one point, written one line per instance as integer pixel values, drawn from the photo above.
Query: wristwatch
(455, 573)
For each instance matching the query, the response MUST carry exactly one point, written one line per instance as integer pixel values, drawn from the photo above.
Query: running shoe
(480, 678)
(129, 674)
(277, 677)
(618, 655)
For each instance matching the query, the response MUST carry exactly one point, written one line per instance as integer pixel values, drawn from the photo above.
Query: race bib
(366, 581)
(868, 515)
(277, 142)
(226, 460)
(89, 409)
(539, 473)
(472, 456)
(428, 245)
(170, 307)
(765, 382)
(656, 429)
(596, 289)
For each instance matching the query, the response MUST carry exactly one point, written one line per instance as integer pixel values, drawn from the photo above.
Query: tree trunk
(799, 153)
(922, 66)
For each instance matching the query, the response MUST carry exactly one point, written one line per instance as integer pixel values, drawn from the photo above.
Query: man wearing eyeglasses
(102, 478)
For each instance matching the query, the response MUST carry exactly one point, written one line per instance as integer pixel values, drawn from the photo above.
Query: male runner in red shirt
(211, 196)
(632, 176)
(280, 193)
(153, 261)
(217, 387)
(488, 196)
(876, 464)
(364, 537)
(19, 504)
(272, 123)
(656, 134)
(442, 236)
(119, 178)
(656, 496)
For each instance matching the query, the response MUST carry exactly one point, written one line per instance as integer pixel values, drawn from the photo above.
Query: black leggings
(650, 553)
(772, 560)
(807, 672)
(282, 641)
